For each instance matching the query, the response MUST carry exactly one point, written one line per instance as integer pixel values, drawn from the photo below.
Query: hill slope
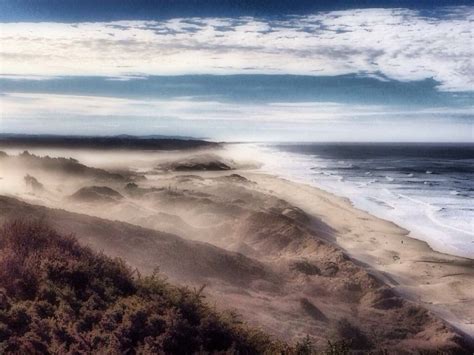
(59, 297)
(179, 259)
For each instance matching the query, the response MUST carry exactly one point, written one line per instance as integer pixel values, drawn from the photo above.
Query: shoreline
(426, 227)
(441, 282)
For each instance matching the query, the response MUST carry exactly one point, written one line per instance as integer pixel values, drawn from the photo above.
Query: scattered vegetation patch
(32, 183)
(96, 194)
(211, 166)
(305, 267)
(313, 311)
(383, 299)
(70, 166)
(131, 186)
(329, 269)
(350, 335)
(296, 214)
(58, 297)
(204, 162)
(235, 178)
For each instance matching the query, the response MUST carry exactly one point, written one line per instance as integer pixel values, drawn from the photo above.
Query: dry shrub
(351, 336)
(57, 297)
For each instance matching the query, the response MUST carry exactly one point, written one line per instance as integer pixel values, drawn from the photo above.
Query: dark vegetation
(208, 166)
(98, 142)
(235, 178)
(312, 310)
(66, 166)
(33, 183)
(203, 162)
(59, 297)
(305, 267)
(346, 332)
(96, 194)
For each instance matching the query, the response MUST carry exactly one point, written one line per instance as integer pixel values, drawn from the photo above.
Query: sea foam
(430, 194)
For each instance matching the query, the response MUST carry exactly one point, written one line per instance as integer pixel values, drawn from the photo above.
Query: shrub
(59, 297)
(305, 267)
(348, 334)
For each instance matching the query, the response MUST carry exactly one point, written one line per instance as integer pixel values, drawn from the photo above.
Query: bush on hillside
(59, 297)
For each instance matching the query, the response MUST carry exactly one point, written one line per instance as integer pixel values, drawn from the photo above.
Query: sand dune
(289, 258)
(145, 249)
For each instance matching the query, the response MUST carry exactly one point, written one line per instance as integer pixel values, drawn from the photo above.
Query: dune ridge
(273, 250)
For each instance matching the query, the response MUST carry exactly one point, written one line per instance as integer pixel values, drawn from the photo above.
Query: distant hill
(67, 167)
(152, 142)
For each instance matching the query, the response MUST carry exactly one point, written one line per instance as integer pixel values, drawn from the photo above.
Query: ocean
(425, 188)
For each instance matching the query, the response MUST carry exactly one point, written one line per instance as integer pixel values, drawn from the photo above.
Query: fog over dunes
(257, 254)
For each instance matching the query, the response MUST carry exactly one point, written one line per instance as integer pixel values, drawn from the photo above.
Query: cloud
(276, 121)
(93, 108)
(396, 44)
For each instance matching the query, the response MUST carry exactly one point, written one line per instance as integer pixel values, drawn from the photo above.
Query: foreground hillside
(59, 297)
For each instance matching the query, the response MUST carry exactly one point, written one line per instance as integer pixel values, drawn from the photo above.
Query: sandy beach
(289, 258)
(442, 283)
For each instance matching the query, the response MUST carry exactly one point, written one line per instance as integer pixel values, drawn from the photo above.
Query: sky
(239, 70)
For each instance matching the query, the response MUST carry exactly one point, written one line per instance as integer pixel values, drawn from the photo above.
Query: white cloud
(279, 121)
(52, 106)
(44, 106)
(400, 44)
